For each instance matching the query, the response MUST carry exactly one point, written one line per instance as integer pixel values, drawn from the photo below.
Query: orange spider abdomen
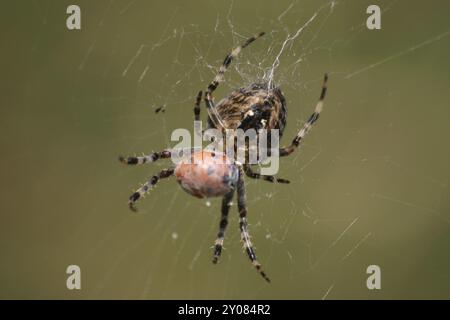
(205, 174)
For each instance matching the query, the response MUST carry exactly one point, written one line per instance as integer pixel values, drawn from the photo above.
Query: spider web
(348, 205)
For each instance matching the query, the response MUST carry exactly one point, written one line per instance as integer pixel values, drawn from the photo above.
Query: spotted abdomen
(206, 174)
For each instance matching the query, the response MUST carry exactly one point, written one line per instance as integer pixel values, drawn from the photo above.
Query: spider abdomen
(206, 174)
(254, 107)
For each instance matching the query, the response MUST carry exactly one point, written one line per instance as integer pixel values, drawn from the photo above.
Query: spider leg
(197, 106)
(226, 203)
(243, 225)
(307, 126)
(152, 157)
(251, 174)
(148, 186)
(215, 118)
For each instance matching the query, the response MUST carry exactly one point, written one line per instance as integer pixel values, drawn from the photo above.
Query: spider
(257, 106)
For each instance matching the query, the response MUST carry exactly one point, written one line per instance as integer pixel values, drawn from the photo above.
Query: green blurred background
(369, 186)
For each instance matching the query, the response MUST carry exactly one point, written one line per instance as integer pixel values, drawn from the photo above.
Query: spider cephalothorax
(257, 106)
